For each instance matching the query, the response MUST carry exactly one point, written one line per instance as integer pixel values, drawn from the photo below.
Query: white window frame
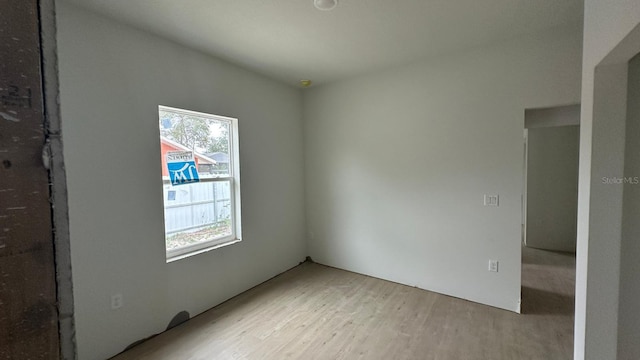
(234, 185)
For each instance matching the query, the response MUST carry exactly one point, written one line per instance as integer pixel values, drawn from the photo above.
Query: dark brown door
(28, 313)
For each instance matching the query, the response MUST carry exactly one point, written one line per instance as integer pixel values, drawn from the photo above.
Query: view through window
(200, 180)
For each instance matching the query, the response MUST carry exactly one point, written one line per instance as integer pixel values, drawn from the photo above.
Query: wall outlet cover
(116, 301)
(493, 265)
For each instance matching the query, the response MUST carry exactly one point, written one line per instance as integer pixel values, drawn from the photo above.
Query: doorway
(550, 195)
(549, 221)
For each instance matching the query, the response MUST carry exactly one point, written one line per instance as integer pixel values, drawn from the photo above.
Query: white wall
(629, 323)
(112, 80)
(606, 25)
(552, 187)
(553, 116)
(397, 164)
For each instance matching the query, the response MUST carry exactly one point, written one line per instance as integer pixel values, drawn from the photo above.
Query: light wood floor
(318, 312)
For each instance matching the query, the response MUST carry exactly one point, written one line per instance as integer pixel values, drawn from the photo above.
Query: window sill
(172, 258)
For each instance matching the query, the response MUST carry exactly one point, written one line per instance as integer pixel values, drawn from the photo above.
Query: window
(201, 181)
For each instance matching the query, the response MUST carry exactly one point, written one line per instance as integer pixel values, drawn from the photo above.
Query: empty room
(319, 179)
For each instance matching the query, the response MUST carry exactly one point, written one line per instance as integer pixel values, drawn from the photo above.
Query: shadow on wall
(180, 318)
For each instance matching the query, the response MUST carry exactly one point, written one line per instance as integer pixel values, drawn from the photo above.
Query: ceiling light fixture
(305, 83)
(325, 5)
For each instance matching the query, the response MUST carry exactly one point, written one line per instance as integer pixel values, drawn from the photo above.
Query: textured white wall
(554, 116)
(112, 80)
(629, 316)
(397, 164)
(552, 187)
(603, 113)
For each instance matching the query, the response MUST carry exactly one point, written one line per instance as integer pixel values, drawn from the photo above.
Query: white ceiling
(290, 40)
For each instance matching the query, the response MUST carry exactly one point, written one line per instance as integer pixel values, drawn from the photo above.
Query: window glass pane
(196, 212)
(219, 149)
(198, 178)
(207, 138)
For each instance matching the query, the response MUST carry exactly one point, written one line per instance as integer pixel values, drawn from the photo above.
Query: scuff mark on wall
(9, 117)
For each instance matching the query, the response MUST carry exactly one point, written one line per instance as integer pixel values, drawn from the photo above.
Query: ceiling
(289, 40)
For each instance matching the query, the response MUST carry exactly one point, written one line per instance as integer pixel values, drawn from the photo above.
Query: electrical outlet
(116, 301)
(493, 265)
(491, 200)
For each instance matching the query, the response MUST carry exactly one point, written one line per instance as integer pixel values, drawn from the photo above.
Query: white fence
(197, 205)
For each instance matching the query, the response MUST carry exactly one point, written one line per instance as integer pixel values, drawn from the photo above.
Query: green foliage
(196, 133)
(221, 142)
(189, 131)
